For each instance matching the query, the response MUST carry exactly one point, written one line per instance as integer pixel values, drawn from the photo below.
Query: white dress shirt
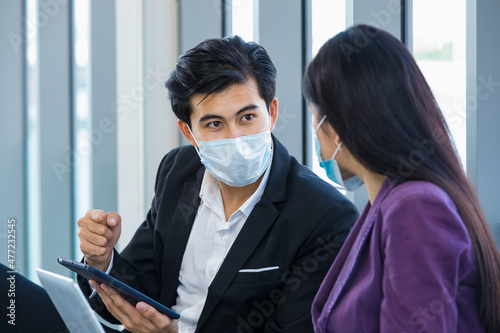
(209, 242)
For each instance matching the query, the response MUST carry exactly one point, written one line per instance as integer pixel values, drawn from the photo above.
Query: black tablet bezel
(132, 295)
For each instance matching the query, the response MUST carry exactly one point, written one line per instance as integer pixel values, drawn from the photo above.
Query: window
(244, 14)
(33, 140)
(82, 122)
(439, 49)
(328, 19)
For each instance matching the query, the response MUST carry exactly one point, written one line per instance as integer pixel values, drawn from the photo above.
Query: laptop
(70, 302)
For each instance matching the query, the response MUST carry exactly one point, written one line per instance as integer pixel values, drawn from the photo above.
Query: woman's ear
(336, 138)
(184, 128)
(332, 134)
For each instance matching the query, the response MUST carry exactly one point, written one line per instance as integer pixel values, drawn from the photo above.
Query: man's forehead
(196, 100)
(227, 102)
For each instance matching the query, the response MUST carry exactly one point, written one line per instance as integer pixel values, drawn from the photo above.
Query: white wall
(146, 126)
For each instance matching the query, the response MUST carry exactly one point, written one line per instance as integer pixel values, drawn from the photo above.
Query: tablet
(132, 295)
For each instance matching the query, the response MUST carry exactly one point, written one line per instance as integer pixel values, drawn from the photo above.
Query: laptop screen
(70, 302)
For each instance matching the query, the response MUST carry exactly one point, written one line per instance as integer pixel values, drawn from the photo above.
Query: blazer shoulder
(180, 162)
(420, 207)
(417, 192)
(311, 185)
(182, 154)
(419, 186)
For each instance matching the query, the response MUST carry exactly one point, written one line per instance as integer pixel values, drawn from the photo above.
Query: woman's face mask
(332, 167)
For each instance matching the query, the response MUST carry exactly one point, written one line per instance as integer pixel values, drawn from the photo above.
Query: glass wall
(439, 49)
(82, 121)
(244, 14)
(328, 19)
(34, 247)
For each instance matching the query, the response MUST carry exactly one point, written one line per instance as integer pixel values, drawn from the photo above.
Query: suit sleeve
(425, 244)
(26, 306)
(136, 265)
(302, 281)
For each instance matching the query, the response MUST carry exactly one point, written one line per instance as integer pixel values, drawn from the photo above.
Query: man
(239, 235)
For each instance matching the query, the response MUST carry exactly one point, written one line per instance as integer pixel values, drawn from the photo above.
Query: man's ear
(273, 112)
(186, 132)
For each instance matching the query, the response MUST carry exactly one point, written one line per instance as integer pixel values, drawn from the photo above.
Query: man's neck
(234, 197)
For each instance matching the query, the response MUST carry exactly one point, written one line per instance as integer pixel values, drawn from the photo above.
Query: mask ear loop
(339, 147)
(337, 150)
(315, 130)
(196, 148)
(320, 123)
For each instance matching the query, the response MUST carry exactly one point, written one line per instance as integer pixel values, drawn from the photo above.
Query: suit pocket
(262, 274)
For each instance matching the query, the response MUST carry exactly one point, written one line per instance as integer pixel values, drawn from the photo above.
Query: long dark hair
(375, 97)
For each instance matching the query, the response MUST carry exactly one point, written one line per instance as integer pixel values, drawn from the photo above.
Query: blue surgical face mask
(237, 162)
(332, 167)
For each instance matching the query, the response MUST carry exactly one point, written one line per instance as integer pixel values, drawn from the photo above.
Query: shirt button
(211, 274)
(200, 306)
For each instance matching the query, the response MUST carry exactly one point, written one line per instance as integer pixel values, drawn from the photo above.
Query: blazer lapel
(350, 263)
(362, 235)
(178, 234)
(258, 223)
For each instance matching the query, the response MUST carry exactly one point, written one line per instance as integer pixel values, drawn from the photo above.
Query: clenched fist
(98, 235)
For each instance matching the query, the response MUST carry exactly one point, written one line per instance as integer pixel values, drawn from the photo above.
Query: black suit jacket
(32, 310)
(299, 225)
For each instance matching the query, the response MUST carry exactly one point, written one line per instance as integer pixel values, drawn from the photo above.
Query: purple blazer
(407, 266)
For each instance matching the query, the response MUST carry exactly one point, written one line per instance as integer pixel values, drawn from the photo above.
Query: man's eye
(214, 124)
(248, 117)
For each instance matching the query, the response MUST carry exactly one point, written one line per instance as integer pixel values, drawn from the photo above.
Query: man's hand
(98, 235)
(142, 318)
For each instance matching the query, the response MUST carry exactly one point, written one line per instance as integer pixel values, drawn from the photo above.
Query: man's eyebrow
(209, 117)
(216, 117)
(246, 108)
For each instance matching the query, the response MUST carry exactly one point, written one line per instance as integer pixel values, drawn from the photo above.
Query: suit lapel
(178, 233)
(258, 223)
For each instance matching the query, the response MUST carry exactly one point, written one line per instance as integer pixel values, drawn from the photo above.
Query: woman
(421, 256)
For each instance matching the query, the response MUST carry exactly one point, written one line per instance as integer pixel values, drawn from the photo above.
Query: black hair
(216, 64)
(374, 96)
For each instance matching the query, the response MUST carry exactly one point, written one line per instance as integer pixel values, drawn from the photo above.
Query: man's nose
(233, 132)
